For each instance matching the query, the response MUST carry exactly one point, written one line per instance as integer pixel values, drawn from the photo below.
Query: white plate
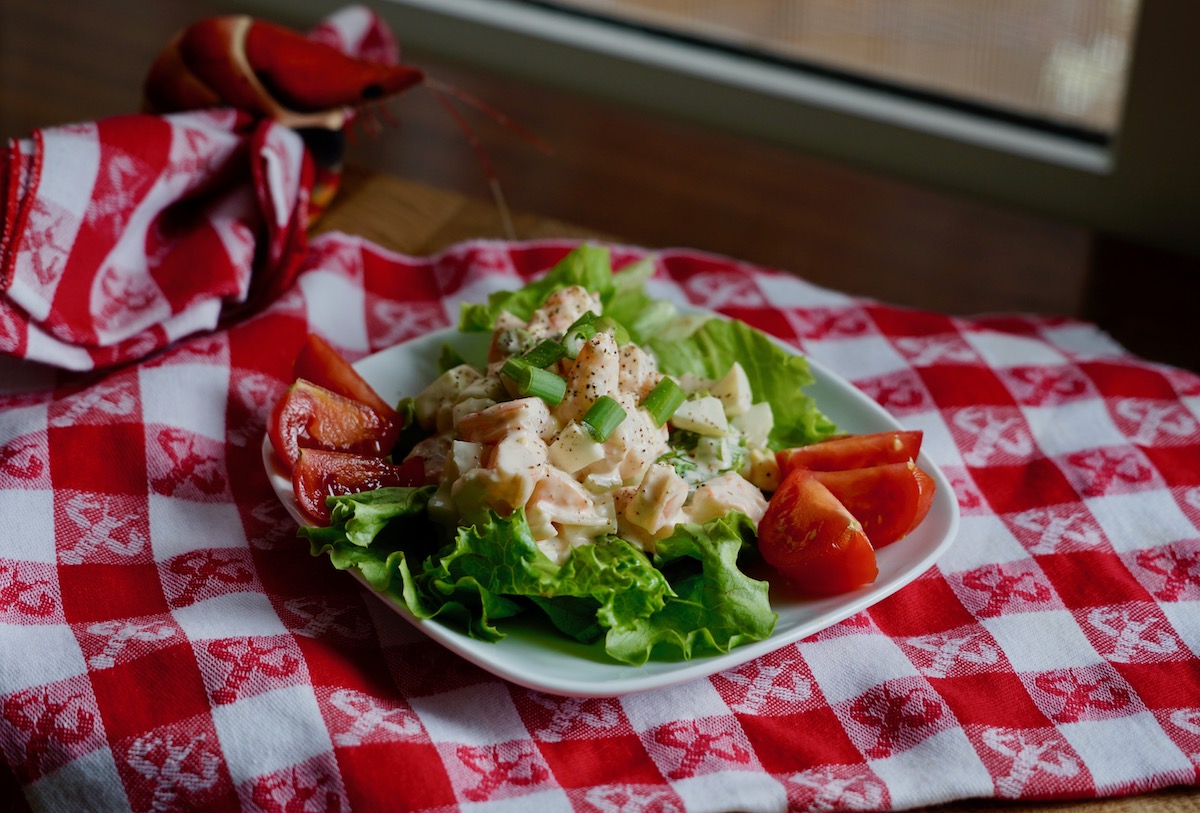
(537, 658)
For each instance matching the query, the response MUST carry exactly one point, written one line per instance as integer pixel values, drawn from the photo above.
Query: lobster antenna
(505, 213)
(368, 119)
(385, 114)
(491, 112)
(472, 139)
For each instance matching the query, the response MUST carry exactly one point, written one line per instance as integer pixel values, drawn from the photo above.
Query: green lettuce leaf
(357, 519)
(701, 345)
(449, 358)
(608, 589)
(622, 294)
(714, 606)
(613, 578)
(602, 585)
(587, 265)
(366, 531)
(387, 536)
(709, 348)
(628, 303)
(476, 578)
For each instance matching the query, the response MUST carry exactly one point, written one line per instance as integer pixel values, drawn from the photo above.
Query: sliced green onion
(514, 368)
(574, 341)
(579, 332)
(530, 380)
(545, 354)
(663, 400)
(587, 326)
(548, 386)
(602, 418)
(588, 318)
(620, 334)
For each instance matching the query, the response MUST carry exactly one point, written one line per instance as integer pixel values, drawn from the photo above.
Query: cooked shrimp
(638, 371)
(562, 308)
(724, 493)
(434, 403)
(656, 503)
(508, 337)
(559, 500)
(633, 445)
(506, 479)
(490, 425)
(596, 372)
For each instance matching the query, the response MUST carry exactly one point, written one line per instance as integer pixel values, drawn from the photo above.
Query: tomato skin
(319, 363)
(319, 474)
(310, 416)
(853, 451)
(927, 488)
(883, 498)
(813, 541)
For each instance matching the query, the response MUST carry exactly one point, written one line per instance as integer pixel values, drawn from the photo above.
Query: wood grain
(659, 183)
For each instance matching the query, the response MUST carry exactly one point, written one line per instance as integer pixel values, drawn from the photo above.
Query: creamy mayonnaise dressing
(491, 449)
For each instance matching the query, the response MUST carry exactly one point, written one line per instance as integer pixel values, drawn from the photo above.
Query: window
(1059, 65)
(1102, 131)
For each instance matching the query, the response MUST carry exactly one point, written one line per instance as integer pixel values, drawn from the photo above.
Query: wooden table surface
(634, 176)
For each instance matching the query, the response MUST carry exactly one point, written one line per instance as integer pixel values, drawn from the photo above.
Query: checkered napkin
(120, 236)
(167, 643)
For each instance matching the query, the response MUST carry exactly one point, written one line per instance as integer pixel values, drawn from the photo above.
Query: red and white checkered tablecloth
(167, 643)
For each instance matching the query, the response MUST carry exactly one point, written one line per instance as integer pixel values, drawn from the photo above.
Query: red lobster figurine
(267, 70)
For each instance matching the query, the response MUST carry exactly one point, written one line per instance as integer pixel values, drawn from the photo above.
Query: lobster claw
(276, 73)
(267, 70)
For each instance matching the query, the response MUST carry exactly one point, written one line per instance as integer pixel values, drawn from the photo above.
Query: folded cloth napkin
(122, 235)
(167, 643)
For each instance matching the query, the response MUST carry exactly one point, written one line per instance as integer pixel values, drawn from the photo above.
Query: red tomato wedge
(312, 417)
(812, 540)
(319, 474)
(853, 451)
(889, 500)
(925, 501)
(319, 363)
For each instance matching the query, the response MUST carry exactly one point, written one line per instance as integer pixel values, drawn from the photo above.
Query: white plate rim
(578, 677)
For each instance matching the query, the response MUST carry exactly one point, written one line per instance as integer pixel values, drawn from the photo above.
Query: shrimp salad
(605, 466)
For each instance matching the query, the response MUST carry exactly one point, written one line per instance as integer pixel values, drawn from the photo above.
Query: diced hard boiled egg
(734, 391)
(762, 469)
(599, 482)
(690, 383)
(574, 448)
(704, 416)
(657, 500)
(487, 386)
(464, 456)
(443, 391)
(756, 424)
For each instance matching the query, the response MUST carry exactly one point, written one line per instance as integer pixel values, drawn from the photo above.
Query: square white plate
(534, 656)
